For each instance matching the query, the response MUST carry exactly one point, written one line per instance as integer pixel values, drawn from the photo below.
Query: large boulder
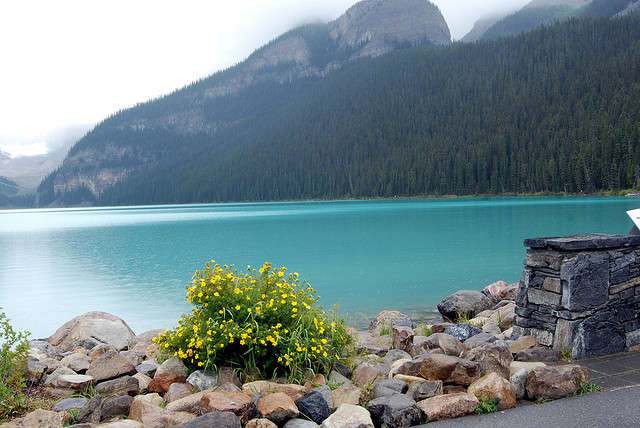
(214, 419)
(349, 416)
(177, 391)
(125, 385)
(447, 343)
(394, 411)
(492, 357)
(202, 380)
(314, 406)
(465, 302)
(145, 405)
(494, 387)
(94, 327)
(263, 387)
(463, 332)
(388, 387)
(372, 343)
(346, 394)
(76, 361)
(36, 419)
(421, 390)
(402, 337)
(171, 371)
(448, 406)
(449, 369)
(500, 290)
(551, 382)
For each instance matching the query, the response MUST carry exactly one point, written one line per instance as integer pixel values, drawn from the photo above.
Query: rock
(342, 369)
(125, 423)
(553, 382)
(449, 369)
(214, 419)
(346, 394)
(145, 405)
(70, 403)
(389, 319)
(519, 382)
(394, 355)
(419, 391)
(115, 406)
(349, 416)
(125, 385)
(167, 419)
(171, 371)
(462, 332)
(227, 387)
(402, 337)
(326, 393)
(260, 423)
(398, 365)
(148, 368)
(36, 371)
(300, 423)
(448, 406)
(263, 387)
(75, 382)
(78, 362)
(52, 379)
(492, 358)
(500, 290)
(522, 343)
(492, 386)
(239, 403)
(466, 302)
(367, 373)
(202, 380)
(37, 419)
(228, 375)
(453, 389)
(528, 366)
(479, 339)
(135, 355)
(100, 350)
(96, 326)
(387, 387)
(90, 413)
(336, 378)
(110, 365)
(371, 343)
(447, 343)
(537, 353)
(394, 411)
(177, 391)
(189, 404)
(277, 407)
(143, 382)
(504, 316)
(314, 406)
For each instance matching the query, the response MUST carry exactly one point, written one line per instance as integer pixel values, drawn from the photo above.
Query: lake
(363, 256)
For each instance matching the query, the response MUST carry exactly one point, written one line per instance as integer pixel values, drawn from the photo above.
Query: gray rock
(214, 419)
(52, 379)
(519, 382)
(202, 380)
(394, 411)
(70, 403)
(36, 370)
(342, 369)
(349, 415)
(389, 319)
(110, 365)
(586, 281)
(479, 339)
(385, 387)
(77, 361)
(395, 355)
(125, 385)
(600, 334)
(402, 337)
(95, 327)
(537, 353)
(314, 406)
(326, 393)
(422, 390)
(492, 358)
(300, 423)
(338, 379)
(466, 302)
(462, 332)
(115, 406)
(449, 344)
(148, 368)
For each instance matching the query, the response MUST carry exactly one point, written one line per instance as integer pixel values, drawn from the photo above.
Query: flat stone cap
(594, 241)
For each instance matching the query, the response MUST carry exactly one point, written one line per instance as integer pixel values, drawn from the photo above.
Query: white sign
(635, 217)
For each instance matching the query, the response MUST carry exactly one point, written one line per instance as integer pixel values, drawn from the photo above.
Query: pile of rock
(103, 375)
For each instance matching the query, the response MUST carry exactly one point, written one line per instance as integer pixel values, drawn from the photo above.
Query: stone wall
(581, 294)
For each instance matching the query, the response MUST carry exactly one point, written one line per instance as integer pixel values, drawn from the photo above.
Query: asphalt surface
(615, 408)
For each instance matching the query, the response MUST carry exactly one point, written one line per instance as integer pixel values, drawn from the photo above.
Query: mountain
(207, 115)
(606, 8)
(556, 109)
(480, 28)
(7, 187)
(533, 15)
(631, 8)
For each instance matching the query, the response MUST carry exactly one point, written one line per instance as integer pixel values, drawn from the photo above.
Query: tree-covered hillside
(556, 109)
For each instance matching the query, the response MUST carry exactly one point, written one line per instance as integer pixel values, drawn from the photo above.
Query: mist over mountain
(379, 103)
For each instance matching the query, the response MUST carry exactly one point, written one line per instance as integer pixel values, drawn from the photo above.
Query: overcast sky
(70, 62)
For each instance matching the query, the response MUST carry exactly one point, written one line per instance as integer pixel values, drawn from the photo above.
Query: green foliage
(424, 330)
(385, 329)
(71, 417)
(462, 318)
(527, 19)
(487, 406)
(565, 355)
(14, 350)
(588, 388)
(266, 323)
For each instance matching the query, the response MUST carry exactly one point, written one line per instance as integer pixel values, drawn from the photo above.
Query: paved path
(618, 405)
(616, 408)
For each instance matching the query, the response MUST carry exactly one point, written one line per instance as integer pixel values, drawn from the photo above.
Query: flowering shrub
(14, 350)
(264, 322)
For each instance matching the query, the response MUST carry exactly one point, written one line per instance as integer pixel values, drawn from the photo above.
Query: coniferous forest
(552, 110)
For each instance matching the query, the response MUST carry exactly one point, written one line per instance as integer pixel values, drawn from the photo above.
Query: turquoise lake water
(361, 255)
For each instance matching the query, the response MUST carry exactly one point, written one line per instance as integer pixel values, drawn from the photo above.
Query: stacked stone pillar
(581, 294)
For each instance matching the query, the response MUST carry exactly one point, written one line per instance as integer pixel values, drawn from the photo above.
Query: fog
(70, 62)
